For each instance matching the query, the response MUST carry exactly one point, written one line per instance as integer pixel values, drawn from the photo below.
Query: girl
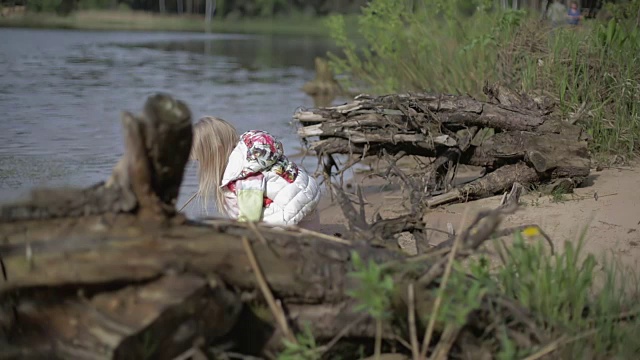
(250, 177)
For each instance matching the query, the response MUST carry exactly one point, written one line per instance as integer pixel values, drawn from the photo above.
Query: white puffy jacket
(261, 183)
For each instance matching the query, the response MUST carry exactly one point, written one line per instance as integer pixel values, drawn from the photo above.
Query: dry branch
(509, 129)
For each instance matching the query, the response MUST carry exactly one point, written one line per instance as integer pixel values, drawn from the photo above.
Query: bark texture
(506, 130)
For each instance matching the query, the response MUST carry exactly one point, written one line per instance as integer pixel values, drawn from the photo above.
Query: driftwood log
(507, 130)
(114, 272)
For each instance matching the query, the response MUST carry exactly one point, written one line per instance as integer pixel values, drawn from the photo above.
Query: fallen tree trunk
(489, 185)
(510, 129)
(301, 270)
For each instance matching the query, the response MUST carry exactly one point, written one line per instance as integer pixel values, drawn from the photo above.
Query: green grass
(142, 21)
(584, 307)
(594, 74)
(576, 296)
(591, 72)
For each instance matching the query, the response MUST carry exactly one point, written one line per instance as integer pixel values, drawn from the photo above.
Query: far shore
(145, 21)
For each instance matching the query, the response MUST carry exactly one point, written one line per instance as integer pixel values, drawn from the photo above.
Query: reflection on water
(62, 93)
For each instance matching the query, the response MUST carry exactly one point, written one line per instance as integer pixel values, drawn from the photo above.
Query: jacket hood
(257, 151)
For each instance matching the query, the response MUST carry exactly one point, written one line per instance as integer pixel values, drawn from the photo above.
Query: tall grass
(580, 300)
(583, 307)
(592, 71)
(401, 46)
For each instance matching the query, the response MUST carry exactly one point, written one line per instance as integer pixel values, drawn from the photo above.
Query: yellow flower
(531, 231)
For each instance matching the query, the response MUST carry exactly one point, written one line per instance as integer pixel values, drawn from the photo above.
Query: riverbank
(144, 21)
(603, 207)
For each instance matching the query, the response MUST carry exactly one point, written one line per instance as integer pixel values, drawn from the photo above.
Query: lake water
(62, 93)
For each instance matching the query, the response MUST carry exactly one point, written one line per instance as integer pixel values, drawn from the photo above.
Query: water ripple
(63, 92)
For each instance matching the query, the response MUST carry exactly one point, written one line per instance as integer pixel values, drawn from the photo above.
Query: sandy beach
(611, 219)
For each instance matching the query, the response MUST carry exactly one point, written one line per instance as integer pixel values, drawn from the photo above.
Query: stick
(445, 278)
(188, 201)
(413, 333)
(377, 350)
(340, 335)
(266, 292)
(562, 341)
(321, 235)
(449, 336)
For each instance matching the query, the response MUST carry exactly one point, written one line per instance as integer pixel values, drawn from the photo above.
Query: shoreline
(612, 222)
(114, 20)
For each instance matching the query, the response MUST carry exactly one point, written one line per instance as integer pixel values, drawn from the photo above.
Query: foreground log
(511, 128)
(301, 270)
(122, 291)
(112, 272)
(157, 319)
(98, 272)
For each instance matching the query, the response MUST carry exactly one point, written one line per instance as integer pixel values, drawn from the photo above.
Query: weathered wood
(128, 251)
(146, 179)
(382, 231)
(445, 109)
(153, 320)
(358, 137)
(508, 129)
(305, 272)
(491, 184)
(174, 266)
(501, 95)
(548, 153)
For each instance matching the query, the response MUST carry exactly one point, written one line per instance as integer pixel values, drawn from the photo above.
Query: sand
(612, 221)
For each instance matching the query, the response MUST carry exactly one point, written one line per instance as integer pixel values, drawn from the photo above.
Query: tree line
(253, 8)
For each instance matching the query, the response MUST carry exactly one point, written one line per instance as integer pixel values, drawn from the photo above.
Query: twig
(378, 341)
(499, 245)
(445, 278)
(418, 258)
(363, 217)
(554, 345)
(254, 228)
(623, 316)
(266, 292)
(192, 353)
(321, 235)
(350, 213)
(341, 334)
(188, 201)
(413, 333)
(449, 336)
(522, 316)
(402, 341)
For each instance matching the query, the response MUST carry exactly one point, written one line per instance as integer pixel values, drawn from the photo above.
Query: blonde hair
(213, 141)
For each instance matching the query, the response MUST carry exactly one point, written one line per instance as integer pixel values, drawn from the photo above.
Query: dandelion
(531, 231)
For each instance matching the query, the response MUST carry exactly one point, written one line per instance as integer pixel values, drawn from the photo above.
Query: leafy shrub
(443, 46)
